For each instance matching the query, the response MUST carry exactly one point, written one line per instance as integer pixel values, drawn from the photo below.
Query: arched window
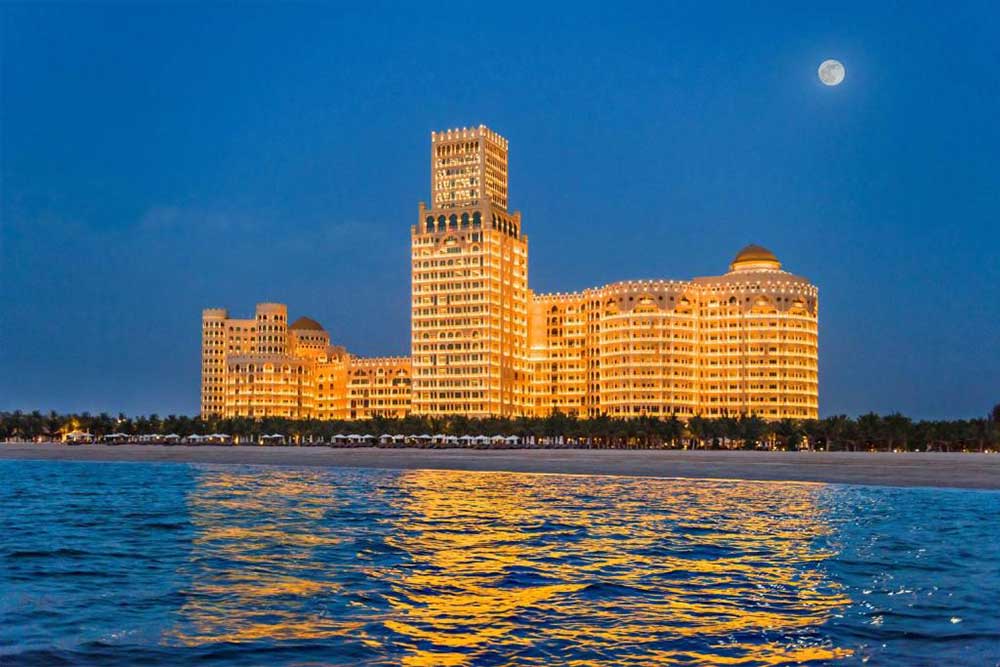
(465, 220)
(442, 223)
(477, 219)
(453, 222)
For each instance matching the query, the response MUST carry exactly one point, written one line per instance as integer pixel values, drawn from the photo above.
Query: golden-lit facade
(469, 260)
(745, 342)
(266, 368)
(483, 344)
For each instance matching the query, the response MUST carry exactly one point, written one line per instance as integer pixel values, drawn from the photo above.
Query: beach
(955, 470)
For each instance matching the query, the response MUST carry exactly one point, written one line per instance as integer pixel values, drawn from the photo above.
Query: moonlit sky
(159, 160)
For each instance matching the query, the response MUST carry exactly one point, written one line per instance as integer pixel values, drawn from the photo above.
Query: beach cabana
(512, 440)
(385, 439)
(172, 438)
(273, 439)
(115, 438)
(466, 440)
(421, 440)
(78, 436)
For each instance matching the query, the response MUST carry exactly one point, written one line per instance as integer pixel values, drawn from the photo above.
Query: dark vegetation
(893, 432)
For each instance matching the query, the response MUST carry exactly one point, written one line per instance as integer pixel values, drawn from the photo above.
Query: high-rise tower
(469, 283)
(468, 167)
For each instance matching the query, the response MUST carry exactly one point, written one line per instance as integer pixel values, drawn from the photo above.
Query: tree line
(837, 433)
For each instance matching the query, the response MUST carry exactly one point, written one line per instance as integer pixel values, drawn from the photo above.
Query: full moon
(831, 72)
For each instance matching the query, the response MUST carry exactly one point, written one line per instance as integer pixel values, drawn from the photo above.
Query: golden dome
(306, 324)
(755, 257)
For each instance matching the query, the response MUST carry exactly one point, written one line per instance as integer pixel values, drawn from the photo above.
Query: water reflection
(618, 570)
(258, 562)
(456, 568)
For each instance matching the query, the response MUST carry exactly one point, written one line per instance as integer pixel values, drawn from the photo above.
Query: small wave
(608, 589)
(166, 525)
(51, 553)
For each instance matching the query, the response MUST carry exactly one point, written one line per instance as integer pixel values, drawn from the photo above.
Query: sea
(165, 564)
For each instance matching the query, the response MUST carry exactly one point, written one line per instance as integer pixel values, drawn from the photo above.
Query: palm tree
(993, 424)
(788, 432)
(870, 429)
(898, 429)
(698, 428)
(750, 430)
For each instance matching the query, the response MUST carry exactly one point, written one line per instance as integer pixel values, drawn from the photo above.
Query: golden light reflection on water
(673, 559)
(253, 554)
(452, 568)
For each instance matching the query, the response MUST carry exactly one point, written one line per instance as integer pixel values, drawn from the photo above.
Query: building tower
(758, 340)
(213, 360)
(469, 283)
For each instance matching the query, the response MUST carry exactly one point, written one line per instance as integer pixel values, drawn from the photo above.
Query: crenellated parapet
(375, 362)
(464, 133)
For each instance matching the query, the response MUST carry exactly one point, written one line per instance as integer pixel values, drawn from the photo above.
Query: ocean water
(148, 564)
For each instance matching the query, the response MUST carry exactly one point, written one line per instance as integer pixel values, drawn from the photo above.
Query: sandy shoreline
(970, 471)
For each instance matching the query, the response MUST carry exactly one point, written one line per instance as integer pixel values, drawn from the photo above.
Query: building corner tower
(469, 283)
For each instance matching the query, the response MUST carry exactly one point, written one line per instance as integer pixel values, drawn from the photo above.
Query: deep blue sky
(158, 160)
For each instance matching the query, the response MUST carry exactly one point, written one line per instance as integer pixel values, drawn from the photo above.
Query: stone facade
(745, 342)
(270, 369)
(483, 344)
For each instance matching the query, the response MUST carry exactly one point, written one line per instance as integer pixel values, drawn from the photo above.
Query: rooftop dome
(306, 324)
(754, 257)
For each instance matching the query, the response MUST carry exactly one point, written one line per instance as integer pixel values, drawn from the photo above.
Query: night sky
(157, 160)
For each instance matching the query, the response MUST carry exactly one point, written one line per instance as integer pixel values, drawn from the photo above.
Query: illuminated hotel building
(745, 342)
(265, 368)
(469, 330)
(483, 344)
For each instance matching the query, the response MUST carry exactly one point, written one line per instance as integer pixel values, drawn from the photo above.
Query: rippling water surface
(120, 563)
